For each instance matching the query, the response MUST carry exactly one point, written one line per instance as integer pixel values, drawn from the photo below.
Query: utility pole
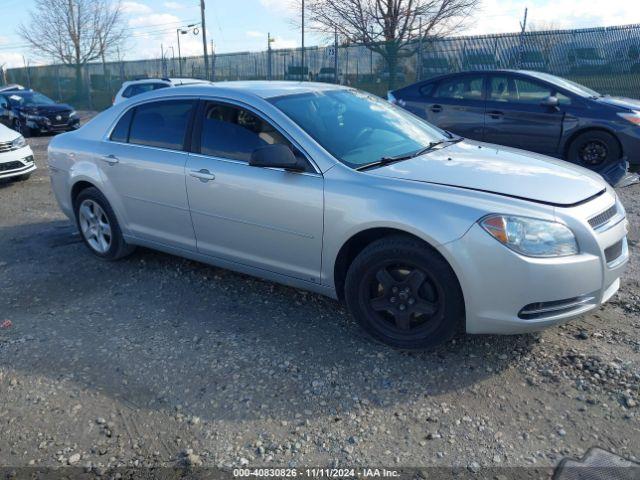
(213, 62)
(204, 41)
(523, 27)
(269, 40)
(302, 72)
(178, 31)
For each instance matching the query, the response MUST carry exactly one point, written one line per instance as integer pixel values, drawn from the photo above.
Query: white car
(16, 157)
(136, 87)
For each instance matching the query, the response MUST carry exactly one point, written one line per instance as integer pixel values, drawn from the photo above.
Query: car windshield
(356, 127)
(572, 87)
(29, 98)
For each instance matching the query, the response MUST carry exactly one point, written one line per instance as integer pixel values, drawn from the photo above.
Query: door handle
(110, 159)
(496, 114)
(436, 108)
(204, 175)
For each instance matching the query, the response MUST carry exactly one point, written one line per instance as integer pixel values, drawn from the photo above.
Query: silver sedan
(333, 190)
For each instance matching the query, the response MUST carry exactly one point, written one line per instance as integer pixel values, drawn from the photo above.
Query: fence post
(335, 57)
(420, 59)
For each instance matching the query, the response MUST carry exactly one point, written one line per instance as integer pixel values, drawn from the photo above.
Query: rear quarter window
(161, 124)
(120, 133)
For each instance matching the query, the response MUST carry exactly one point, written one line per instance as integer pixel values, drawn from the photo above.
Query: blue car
(533, 111)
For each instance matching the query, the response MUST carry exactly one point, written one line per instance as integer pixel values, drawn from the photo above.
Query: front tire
(595, 150)
(22, 129)
(404, 294)
(98, 226)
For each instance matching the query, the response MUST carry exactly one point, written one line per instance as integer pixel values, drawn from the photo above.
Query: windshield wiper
(398, 158)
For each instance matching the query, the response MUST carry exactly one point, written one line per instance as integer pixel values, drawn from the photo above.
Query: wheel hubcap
(593, 153)
(95, 226)
(403, 297)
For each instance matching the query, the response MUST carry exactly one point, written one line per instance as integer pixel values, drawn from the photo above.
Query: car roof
(259, 88)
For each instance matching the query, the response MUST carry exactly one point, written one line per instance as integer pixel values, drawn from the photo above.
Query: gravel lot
(156, 360)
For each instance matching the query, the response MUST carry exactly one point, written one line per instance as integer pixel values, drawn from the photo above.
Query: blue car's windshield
(358, 128)
(21, 98)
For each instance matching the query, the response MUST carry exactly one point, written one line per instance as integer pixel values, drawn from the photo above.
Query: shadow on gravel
(157, 331)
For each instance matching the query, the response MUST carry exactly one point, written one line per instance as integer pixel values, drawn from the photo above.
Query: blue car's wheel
(595, 150)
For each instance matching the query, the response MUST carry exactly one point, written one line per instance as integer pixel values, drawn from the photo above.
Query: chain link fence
(606, 59)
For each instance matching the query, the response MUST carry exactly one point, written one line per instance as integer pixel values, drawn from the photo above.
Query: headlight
(35, 118)
(73, 114)
(633, 117)
(19, 142)
(531, 237)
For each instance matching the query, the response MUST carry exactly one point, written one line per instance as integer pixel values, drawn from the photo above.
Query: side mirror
(275, 156)
(551, 102)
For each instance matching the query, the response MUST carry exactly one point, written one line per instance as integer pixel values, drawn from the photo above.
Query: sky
(242, 25)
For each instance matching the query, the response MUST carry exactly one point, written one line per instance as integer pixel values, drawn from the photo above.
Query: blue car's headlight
(531, 237)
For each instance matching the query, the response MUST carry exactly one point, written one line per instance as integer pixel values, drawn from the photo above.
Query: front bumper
(16, 162)
(507, 293)
(51, 126)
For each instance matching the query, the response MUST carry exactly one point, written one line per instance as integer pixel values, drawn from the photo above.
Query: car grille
(614, 251)
(6, 147)
(10, 166)
(64, 118)
(603, 217)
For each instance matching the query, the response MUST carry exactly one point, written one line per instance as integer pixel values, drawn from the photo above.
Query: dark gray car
(532, 111)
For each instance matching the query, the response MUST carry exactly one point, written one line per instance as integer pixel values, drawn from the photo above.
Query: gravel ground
(157, 360)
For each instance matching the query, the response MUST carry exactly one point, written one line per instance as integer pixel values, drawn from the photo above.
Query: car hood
(501, 170)
(47, 109)
(622, 102)
(7, 135)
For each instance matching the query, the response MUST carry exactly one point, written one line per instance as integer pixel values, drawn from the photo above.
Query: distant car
(16, 157)
(334, 190)
(479, 59)
(11, 87)
(136, 87)
(435, 64)
(297, 73)
(327, 75)
(577, 58)
(623, 56)
(532, 111)
(31, 113)
(400, 77)
(525, 58)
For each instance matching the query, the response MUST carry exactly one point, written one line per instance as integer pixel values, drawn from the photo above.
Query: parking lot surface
(156, 360)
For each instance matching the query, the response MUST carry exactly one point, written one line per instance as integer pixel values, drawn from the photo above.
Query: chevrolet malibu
(333, 190)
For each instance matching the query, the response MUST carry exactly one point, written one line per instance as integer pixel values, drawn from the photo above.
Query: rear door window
(460, 88)
(161, 124)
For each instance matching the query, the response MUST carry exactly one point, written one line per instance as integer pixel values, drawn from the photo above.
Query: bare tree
(74, 32)
(388, 27)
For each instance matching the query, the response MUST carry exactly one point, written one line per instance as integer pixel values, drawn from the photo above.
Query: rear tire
(404, 294)
(595, 150)
(98, 226)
